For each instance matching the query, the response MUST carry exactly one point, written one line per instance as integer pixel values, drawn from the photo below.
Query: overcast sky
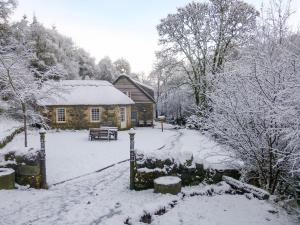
(114, 28)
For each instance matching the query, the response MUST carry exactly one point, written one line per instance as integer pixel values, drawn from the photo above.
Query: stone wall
(78, 117)
(8, 138)
(27, 167)
(191, 173)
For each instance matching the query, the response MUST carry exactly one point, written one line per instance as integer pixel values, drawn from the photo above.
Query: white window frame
(58, 117)
(91, 115)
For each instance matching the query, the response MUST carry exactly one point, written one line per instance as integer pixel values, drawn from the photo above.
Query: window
(122, 114)
(60, 115)
(95, 114)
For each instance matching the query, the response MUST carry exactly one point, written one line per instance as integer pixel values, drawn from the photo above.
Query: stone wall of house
(191, 173)
(27, 167)
(78, 117)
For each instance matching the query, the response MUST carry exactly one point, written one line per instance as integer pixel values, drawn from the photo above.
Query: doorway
(123, 117)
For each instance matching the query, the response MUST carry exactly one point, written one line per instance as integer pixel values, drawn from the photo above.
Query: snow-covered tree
(122, 66)
(6, 9)
(107, 71)
(256, 107)
(19, 86)
(201, 35)
(87, 67)
(172, 95)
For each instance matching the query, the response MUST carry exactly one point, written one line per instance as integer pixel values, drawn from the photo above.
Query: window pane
(95, 114)
(61, 115)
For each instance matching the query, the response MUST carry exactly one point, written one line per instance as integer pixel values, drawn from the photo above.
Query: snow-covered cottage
(88, 103)
(143, 111)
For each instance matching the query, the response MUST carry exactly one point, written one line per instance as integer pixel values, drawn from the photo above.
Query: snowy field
(104, 198)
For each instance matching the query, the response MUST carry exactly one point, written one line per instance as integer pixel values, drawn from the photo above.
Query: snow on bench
(257, 192)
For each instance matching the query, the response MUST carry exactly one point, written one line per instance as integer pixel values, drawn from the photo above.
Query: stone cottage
(86, 104)
(143, 111)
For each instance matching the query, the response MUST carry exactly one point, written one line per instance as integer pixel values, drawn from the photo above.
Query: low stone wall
(191, 173)
(8, 138)
(27, 167)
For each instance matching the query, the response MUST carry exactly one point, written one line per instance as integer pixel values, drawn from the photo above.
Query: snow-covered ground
(70, 154)
(188, 143)
(104, 198)
(8, 126)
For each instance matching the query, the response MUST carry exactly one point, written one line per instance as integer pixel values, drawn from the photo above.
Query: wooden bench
(141, 123)
(149, 123)
(104, 133)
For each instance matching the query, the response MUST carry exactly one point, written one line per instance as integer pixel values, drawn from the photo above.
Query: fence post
(43, 159)
(132, 157)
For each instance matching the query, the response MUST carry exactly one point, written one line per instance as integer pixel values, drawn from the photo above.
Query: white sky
(114, 28)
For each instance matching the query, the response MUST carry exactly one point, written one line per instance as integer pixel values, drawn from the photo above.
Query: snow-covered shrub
(193, 122)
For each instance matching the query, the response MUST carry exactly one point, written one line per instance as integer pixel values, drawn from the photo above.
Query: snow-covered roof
(88, 92)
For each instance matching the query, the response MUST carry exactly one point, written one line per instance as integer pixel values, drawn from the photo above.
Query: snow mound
(6, 171)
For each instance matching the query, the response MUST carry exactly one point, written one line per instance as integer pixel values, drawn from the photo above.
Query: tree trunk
(25, 124)
(197, 97)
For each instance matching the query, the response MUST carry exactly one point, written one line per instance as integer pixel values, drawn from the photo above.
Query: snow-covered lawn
(70, 154)
(104, 198)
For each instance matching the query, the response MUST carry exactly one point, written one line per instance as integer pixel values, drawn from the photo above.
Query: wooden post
(132, 158)
(43, 159)
(162, 119)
